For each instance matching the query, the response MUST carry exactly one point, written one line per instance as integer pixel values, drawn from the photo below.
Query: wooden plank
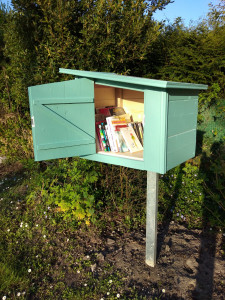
(155, 131)
(136, 155)
(182, 116)
(117, 160)
(104, 96)
(180, 148)
(129, 94)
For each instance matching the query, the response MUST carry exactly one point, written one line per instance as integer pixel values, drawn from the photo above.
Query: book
(112, 123)
(131, 139)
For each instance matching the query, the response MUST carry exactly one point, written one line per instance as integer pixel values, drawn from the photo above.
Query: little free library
(129, 121)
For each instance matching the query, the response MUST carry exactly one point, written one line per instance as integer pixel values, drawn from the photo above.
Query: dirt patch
(190, 264)
(10, 169)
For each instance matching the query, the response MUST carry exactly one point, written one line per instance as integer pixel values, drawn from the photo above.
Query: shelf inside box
(136, 155)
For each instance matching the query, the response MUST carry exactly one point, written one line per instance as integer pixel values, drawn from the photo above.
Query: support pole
(151, 218)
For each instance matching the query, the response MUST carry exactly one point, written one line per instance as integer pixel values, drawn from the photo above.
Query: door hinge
(32, 122)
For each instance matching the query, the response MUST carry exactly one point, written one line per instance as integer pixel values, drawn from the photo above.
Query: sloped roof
(133, 80)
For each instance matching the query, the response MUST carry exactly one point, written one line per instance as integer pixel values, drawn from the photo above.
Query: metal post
(151, 218)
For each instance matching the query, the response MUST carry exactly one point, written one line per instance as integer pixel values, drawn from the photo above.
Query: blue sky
(186, 9)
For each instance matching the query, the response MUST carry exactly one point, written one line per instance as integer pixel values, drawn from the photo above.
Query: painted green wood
(119, 161)
(155, 130)
(180, 148)
(132, 80)
(182, 116)
(64, 119)
(182, 126)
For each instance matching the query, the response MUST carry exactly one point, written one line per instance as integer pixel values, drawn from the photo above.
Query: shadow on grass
(206, 260)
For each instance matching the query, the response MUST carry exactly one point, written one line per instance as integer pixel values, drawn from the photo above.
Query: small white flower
(210, 228)
(49, 207)
(118, 295)
(26, 225)
(8, 230)
(107, 293)
(17, 207)
(223, 234)
(4, 297)
(37, 256)
(87, 256)
(29, 270)
(85, 284)
(110, 281)
(163, 290)
(24, 293)
(102, 299)
(51, 286)
(37, 225)
(44, 212)
(78, 271)
(67, 240)
(178, 214)
(44, 236)
(18, 294)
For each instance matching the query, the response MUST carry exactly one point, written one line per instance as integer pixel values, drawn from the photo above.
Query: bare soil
(190, 263)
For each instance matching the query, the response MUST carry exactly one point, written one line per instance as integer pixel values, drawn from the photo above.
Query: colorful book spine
(105, 137)
(102, 138)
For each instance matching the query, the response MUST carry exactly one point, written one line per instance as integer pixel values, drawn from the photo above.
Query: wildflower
(163, 290)
(102, 299)
(37, 256)
(24, 293)
(178, 214)
(107, 293)
(78, 271)
(190, 191)
(29, 270)
(110, 281)
(200, 194)
(67, 240)
(210, 228)
(44, 236)
(18, 294)
(8, 230)
(182, 216)
(51, 286)
(223, 234)
(17, 207)
(118, 295)
(4, 297)
(26, 225)
(37, 225)
(49, 207)
(85, 284)
(44, 212)
(87, 256)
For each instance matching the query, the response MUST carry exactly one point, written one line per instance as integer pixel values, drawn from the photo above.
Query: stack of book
(115, 132)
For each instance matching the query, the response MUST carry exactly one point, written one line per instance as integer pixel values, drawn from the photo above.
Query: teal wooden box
(63, 118)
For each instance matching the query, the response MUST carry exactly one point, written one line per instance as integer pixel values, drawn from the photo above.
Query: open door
(63, 119)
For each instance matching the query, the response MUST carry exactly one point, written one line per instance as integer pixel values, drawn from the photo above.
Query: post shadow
(167, 218)
(206, 260)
